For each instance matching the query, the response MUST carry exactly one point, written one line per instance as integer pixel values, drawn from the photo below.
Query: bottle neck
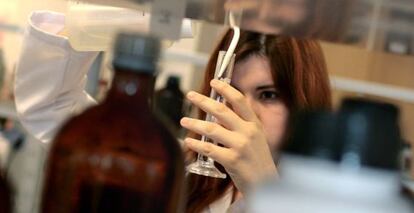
(172, 87)
(135, 89)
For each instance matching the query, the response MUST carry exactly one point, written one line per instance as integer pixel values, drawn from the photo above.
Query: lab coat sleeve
(50, 76)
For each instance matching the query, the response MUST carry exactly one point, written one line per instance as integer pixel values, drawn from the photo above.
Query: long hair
(299, 73)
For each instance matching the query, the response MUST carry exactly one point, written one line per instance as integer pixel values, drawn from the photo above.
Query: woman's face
(253, 78)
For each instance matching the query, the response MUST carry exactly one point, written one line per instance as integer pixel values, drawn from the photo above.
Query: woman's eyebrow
(264, 87)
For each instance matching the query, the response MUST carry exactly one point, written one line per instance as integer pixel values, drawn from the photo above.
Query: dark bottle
(117, 157)
(5, 196)
(169, 100)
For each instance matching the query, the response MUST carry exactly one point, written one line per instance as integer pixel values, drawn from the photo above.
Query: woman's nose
(252, 103)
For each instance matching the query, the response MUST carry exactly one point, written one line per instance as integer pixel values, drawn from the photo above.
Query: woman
(274, 77)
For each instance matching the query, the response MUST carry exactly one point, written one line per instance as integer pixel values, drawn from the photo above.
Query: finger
(220, 111)
(217, 153)
(235, 98)
(211, 130)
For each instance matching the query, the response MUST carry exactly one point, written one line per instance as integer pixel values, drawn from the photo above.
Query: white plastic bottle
(92, 27)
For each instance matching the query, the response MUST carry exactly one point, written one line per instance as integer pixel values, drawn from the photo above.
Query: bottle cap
(136, 52)
(173, 81)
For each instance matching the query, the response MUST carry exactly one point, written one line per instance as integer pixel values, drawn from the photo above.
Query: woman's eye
(268, 96)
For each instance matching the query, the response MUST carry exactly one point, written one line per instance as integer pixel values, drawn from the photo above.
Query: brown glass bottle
(117, 157)
(5, 196)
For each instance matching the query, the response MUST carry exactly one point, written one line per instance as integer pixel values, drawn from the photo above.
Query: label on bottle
(120, 183)
(167, 18)
(110, 182)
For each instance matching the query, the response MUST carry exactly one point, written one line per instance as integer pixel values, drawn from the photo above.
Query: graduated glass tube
(205, 165)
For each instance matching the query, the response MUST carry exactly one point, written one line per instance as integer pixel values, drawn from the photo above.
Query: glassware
(169, 101)
(205, 165)
(117, 156)
(5, 195)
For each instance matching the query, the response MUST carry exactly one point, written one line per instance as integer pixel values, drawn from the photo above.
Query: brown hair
(299, 73)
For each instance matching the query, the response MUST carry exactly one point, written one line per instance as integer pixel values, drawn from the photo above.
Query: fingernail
(184, 121)
(191, 95)
(187, 141)
(215, 82)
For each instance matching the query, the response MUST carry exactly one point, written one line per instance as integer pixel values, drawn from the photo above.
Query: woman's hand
(246, 155)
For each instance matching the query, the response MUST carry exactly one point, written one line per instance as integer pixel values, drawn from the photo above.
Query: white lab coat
(50, 81)
(50, 77)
